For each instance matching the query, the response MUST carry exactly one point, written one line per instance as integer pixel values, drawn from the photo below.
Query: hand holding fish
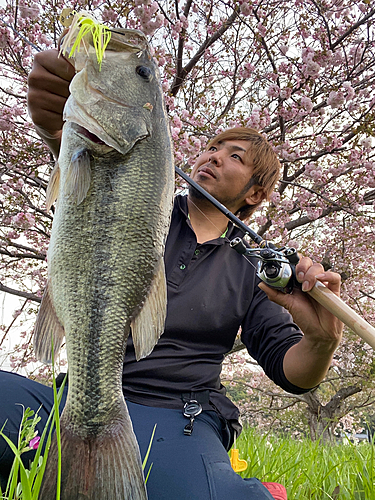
(49, 82)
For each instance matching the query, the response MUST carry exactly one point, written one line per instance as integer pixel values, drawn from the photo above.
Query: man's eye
(212, 148)
(238, 157)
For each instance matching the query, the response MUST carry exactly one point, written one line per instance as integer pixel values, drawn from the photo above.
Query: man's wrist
(317, 344)
(51, 138)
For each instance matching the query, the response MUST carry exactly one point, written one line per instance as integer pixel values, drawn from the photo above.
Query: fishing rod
(276, 268)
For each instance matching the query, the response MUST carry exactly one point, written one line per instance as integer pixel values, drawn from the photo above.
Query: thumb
(275, 295)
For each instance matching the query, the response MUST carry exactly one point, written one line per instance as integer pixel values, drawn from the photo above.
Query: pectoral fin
(148, 325)
(78, 178)
(48, 329)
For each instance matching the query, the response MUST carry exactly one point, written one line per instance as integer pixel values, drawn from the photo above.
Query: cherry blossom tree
(301, 72)
(342, 403)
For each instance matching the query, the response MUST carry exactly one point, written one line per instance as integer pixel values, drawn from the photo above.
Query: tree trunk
(322, 419)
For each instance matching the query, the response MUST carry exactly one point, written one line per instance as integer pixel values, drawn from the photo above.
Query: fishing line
(275, 265)
(223, 209)
(21, 36)
(249, 261)
(209, 220)
(226, 239)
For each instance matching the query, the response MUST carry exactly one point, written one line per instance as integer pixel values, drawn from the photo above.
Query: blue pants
(184, 467)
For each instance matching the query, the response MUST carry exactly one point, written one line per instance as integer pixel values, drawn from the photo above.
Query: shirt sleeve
(268, 332)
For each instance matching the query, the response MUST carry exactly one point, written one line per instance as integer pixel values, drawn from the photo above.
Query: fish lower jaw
(92, 138)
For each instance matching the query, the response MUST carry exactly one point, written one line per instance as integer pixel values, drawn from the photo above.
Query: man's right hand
(48, 91)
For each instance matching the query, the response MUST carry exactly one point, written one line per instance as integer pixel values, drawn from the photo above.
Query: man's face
(223, 172)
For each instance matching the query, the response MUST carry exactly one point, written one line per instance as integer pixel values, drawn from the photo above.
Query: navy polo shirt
(212, 292)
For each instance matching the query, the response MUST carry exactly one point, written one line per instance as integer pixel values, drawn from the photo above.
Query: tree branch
(38, 255)
(318, 194)
(293, 224)
(180, 77)
(11, 324)
(18, 293)
(352, 28)
(22, 255)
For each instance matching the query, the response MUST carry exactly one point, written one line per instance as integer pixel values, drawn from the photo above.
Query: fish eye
(144, 72)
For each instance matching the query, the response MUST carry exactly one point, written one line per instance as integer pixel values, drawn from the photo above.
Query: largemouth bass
(114, 185)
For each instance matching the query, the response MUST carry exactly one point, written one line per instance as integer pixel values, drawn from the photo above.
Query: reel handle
(343, 312)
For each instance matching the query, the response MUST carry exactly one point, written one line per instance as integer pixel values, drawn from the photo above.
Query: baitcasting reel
(276, 266)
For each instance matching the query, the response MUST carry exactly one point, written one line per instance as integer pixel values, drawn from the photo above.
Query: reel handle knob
(238, 245)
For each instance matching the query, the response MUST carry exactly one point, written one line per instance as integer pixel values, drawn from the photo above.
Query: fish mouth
(88, 135)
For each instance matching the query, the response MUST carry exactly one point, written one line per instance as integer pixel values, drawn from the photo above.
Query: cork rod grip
(343, 312)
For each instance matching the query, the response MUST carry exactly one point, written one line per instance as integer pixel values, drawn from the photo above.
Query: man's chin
(196, 195)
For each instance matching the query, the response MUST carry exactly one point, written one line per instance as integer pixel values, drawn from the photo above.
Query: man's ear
(255, 195)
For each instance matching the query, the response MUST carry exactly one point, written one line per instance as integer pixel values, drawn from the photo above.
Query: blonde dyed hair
(260, 156)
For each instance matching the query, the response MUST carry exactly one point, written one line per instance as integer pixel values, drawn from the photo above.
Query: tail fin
(103, 467)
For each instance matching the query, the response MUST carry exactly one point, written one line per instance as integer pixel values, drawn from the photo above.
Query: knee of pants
(224, 483)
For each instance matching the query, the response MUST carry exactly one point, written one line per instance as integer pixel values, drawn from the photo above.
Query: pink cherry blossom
(29, 11)
(307, 104)
(308, 85)
(245, 9)
(23, 220)
(312, 68)
(273, 90)
(336, 99)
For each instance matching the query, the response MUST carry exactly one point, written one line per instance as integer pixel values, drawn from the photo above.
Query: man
(212, 291)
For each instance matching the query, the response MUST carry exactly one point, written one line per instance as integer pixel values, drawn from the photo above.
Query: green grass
(24, 483)
(310, 470)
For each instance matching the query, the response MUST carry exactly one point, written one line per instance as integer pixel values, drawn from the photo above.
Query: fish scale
(105, 265)
(111, 274)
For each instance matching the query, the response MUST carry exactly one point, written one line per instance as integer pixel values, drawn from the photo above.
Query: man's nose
(215, 157)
